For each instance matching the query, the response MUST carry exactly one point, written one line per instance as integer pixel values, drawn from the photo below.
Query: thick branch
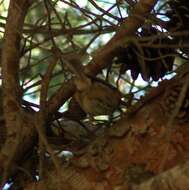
(10, 75)
(10, 55)
(175, 178)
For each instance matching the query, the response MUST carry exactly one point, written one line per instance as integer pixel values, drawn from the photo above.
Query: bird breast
(98, 99)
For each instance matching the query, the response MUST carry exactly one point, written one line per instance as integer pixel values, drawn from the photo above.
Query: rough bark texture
(176, 178)
(11, 91)
(130, 152)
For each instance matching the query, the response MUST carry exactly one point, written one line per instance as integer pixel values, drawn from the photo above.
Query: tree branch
(10, 79)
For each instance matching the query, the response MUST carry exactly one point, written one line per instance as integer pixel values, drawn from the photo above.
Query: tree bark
(131, 152)
(10, 81)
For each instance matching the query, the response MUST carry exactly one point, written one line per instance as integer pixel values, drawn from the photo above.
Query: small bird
(94, 96)
(98, 98)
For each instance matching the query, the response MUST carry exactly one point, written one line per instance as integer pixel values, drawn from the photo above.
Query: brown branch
(10, 74)
(11, 53)
(41, 117)
(175, 178)
(45, 83)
